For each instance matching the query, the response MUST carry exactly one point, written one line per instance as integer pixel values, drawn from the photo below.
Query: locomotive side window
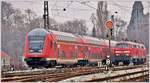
(138, 46)
(142, 47)
(122, 45)
(134, 46)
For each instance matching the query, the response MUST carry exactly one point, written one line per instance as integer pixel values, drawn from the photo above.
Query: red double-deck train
(51, 48)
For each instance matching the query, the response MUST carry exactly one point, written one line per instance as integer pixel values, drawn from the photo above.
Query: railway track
(125, 77)
(46, 74)
(60, 74)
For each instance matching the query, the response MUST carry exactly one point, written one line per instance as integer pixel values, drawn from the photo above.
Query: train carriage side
(68, 48)
(93, 50)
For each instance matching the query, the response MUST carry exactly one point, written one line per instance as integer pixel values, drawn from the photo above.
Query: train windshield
(122, 45)
(36, 43)
(36, 39)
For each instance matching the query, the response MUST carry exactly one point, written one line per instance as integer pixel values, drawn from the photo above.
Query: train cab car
(34, 47)
(50, 48)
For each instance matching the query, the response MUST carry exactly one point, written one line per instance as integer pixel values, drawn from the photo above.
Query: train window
(55, 45)
(95, 56)
(73, 55)
(122, 45)
(36, 46)
(62, 54)
(51, 44)
(137, 46)
(36, 37)
(134, 46)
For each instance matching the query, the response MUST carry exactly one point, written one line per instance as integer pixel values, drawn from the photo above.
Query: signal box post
(109, 25)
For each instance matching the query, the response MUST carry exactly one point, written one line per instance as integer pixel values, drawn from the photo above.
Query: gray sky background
(76, 10)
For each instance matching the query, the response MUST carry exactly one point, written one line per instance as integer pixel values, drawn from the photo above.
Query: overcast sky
(77, 10)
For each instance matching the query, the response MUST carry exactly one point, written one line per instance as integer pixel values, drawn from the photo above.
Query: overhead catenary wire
(65, 8)
(68, 5)
(84, 3)
(120, 6)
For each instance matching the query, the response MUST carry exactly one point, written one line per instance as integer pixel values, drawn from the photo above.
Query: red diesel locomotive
(50, 48)
(129, 52)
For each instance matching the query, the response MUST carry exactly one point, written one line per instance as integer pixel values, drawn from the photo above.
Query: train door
(82, 55)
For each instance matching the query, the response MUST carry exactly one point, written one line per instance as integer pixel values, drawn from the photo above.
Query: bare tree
(102, 15)
(119, 29)
(75, 27)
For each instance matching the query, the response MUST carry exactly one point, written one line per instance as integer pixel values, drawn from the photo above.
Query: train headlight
(31, 50)
(108, 56)
(117, 54)
(127, 54)
(118, 51)
(126, 51)
(40, 50)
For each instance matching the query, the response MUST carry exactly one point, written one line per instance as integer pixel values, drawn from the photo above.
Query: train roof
(71, 37)
(64, 36)
(106, 42)
(133, 43)
(38, 31)
(91, 40)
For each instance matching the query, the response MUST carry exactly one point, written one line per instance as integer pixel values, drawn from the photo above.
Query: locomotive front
(34, 46)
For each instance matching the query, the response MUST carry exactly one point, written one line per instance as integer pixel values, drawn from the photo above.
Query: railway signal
(109, 25)
(108, 61)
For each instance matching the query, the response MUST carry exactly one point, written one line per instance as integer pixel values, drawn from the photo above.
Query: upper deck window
(35, 38)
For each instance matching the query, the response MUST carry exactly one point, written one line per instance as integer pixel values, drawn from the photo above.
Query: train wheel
(126, 62)
(116, 63)
(83, 62)
(52, 63)
(103, 62)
